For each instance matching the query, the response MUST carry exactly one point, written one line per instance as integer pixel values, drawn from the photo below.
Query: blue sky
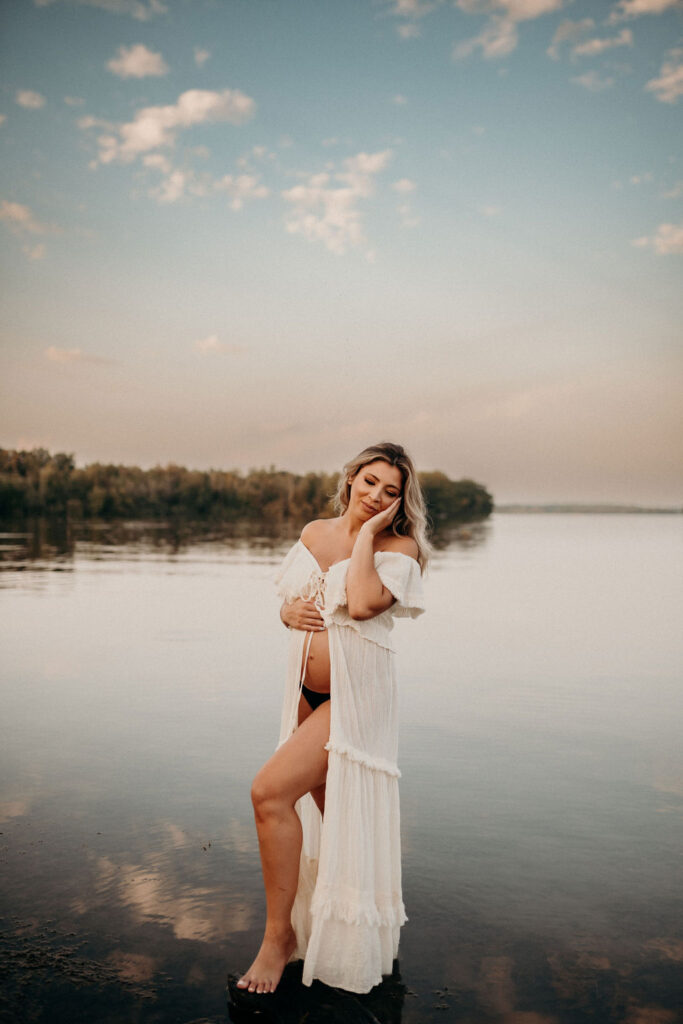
(261, 232)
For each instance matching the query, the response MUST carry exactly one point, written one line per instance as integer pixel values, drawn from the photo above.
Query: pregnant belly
(317, 664)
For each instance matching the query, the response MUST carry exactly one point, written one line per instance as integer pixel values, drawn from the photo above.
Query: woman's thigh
(299, 765)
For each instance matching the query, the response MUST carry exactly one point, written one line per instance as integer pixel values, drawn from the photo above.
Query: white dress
(349, 908)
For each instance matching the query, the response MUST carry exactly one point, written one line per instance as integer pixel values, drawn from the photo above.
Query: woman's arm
(365, 594)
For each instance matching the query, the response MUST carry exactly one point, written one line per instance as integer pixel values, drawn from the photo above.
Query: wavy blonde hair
(411, 518)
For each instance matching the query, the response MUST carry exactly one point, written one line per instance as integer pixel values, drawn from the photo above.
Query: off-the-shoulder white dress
(349, 907)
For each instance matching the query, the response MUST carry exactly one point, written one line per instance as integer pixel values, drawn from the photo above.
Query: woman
(326, 803)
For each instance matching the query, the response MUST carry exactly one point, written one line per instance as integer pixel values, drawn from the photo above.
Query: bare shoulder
(316, 530)
(404, 545)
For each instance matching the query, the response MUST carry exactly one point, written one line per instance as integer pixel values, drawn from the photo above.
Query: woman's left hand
(383, 519)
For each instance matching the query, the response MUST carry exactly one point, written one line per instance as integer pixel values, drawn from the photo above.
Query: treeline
(38, 483)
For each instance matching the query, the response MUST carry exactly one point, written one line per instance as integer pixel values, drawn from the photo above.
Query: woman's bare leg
(318, 794)
(297, 767)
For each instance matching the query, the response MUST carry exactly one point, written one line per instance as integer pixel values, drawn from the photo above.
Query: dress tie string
(313, 591)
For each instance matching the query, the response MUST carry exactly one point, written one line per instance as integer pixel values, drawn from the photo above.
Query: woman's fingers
(381, 520)
(306, 615)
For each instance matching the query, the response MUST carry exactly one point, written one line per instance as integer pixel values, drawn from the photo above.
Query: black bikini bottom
(314, 698)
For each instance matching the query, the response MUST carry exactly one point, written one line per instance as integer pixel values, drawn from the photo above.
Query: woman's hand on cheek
(382, 519)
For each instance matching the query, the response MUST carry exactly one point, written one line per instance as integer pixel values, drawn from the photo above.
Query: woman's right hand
(300, 614)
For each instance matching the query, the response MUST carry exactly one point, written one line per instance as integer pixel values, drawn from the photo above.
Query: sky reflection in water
(541, 789)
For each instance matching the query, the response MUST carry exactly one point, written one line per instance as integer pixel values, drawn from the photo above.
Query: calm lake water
(542, 789)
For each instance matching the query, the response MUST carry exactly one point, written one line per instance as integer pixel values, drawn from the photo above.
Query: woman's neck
(350, 525)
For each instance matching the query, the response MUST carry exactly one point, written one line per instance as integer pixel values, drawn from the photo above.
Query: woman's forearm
(365, 594)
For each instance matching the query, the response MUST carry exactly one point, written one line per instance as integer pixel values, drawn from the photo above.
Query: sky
(245, 233)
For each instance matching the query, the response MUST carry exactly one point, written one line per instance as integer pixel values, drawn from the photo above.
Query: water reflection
(294, 1003)
(55, 543)
(542, 793)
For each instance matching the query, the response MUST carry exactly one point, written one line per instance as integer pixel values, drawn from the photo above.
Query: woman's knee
(265, 793)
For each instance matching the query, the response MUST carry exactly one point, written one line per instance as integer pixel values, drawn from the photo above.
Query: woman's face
(374, 487)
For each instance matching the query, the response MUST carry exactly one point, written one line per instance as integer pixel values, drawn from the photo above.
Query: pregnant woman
(326, 803)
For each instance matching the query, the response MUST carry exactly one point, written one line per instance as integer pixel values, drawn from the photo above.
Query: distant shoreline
(590, 508)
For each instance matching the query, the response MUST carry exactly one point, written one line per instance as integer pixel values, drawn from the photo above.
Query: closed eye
(391, 494)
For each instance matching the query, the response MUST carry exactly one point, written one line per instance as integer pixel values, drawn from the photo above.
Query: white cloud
(516, 10)
(63, 355)
(527, 10)
(640, 179)
(409, 30)
(326, 208)
(412, 11)
(210, 345)
(594, 47)
(592, 81)
(675, 192)
(137, 61)
(500, 35)
(200, 56)
(568, 32)
(134, 8)
(669, 86)
(3, 118)
(404, 185)
(29, 99)
(177, 183)
(23, 223)
(490, 211)
(635, 8)
(667, 241)
(498, 38)
(35, 252)
(411, 8)
(158, 162)
(408, 219)
(74, 355)
(172, 187)
(399, 100)
(240, 188)
(154, 127)
(74, 101)
(21, 219)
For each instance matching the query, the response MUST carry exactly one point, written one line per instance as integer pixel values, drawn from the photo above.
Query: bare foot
(266, 970)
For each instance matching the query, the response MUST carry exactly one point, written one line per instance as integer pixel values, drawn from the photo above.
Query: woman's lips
(368, 508)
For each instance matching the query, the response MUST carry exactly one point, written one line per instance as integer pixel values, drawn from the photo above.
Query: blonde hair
(411, 518)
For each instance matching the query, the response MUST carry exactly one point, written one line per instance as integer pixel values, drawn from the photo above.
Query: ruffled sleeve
(401, 575)
(286, 575)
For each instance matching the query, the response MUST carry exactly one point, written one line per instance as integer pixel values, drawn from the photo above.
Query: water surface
(542, 785)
